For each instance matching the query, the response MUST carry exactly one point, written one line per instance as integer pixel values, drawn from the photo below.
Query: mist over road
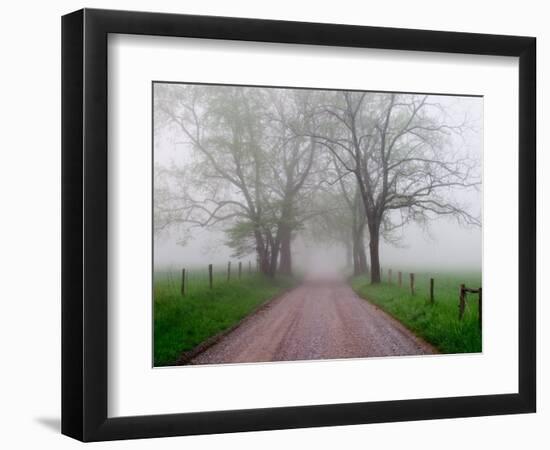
(320, 319)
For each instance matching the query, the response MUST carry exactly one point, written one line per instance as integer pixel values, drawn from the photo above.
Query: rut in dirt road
(317, 320)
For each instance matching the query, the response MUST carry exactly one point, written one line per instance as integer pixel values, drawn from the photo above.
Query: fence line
(462, 297)
(185, 282)
(462, 302)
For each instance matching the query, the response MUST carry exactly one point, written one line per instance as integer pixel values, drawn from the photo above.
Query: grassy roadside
(181, 323)
(437, 323)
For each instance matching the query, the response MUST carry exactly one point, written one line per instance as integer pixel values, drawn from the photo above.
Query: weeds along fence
(463, 291)
(189, 279)
(462, 301)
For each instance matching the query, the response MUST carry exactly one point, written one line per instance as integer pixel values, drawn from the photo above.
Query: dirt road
(317, 320)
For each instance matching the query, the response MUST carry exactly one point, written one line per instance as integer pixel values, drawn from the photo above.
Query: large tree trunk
(374, 243)
(359, 255)
(273, 262)
(284, 234)
(285, 264)
(358, 232)
(362, 257)
(263, 253)
(274, 246)
(356, 259)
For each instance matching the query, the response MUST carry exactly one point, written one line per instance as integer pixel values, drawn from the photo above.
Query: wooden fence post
(479, 308)
(461, 302)
(411, 276)
(210, 275)
(432, 290)
(228, 270)
(240, 269)
(399, 278)
(389, 276)
(183, 282)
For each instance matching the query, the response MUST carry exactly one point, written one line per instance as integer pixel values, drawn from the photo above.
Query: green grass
(183, 322)
(437, 323)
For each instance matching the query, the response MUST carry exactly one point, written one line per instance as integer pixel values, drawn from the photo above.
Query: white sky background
(445, 245)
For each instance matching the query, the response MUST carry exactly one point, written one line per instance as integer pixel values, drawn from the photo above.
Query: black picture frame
(84, 224)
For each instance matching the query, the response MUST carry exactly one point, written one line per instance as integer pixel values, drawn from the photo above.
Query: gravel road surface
(316, 320)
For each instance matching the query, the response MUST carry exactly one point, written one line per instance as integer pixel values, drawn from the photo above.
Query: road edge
(399, 324)
(185, 357)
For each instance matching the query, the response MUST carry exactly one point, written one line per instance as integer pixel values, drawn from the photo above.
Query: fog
(437, 242)
(446, 246)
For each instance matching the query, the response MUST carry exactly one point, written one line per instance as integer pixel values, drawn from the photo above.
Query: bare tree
(225, 127)
(292, 163)
(343, 218)
(260, 157)
(399, 149)
(352, 197)
(251, 171)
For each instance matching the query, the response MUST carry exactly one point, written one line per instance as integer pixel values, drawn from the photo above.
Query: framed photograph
(273, 224)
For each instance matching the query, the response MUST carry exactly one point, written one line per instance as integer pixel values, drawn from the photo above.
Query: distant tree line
(349, 167)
